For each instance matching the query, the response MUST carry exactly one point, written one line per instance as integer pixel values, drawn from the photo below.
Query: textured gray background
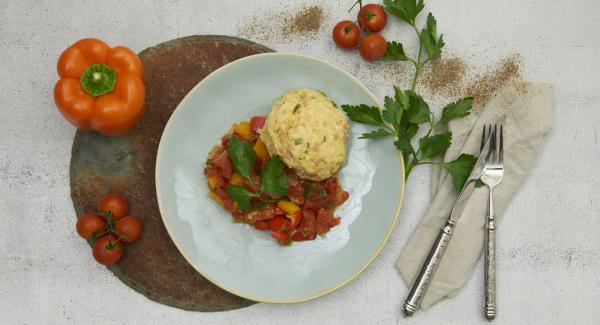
(548, 241)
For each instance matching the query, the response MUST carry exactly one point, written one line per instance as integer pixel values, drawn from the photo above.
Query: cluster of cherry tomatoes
(371, 20)
(109, 228)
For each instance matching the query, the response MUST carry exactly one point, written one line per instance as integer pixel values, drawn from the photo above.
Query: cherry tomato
(107, 250)
(113, 203)
(89, 224)
(373, 47)
(372, 17)
(279, 223)
(346, 34)
(129, 229)
(257, 122)
(280, 235)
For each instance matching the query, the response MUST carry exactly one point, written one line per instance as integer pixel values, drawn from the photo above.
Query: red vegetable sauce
(316, 200)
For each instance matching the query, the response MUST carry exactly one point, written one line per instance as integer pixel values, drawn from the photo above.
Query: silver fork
(492, 175)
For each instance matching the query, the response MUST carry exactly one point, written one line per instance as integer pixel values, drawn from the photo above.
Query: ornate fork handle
(424, 277)
(490, 262)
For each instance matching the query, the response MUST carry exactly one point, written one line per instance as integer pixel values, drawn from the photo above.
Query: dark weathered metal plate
(153, 266)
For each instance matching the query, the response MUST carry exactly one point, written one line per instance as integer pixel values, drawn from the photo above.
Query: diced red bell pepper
(279, 223)
(295, 218)
(257, 122)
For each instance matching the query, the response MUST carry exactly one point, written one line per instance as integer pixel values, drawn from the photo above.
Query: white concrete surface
(549, 253)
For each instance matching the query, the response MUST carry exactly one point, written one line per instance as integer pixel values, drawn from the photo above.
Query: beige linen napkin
(526, 111)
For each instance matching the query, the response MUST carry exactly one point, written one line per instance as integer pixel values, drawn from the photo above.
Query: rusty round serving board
(152, 265)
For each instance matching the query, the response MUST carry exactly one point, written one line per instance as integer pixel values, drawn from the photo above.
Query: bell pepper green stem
(98, 80)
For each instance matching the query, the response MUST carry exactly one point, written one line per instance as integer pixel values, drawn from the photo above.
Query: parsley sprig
(272, 181)
(405, 112)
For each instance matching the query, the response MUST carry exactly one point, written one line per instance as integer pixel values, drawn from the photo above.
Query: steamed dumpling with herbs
(309, 132)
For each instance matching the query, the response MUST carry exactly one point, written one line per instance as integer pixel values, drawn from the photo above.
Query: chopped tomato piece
(211, 170)
(243, 129)
(297, 236)
(342, 198)
(264, 213)
(280, 235)
(316, 204)
(262, 225)
(321, 227)
(334, 222)
(325, 216)
(228, 204)
(331, 185)
(295, 218)
(225, 139)
(223, 162)
(308, 224)
(257, 122)
(279, 223)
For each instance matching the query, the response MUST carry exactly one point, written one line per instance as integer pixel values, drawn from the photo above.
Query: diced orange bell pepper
(260, 149)
(212, 182)
(236, 180)
(288, 207)
(243, 129)
(215, 197)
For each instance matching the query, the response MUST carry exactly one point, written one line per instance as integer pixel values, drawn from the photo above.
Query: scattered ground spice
(445, 76)
(305, 21)
(284, 26)
(483, 86)
(397, 73)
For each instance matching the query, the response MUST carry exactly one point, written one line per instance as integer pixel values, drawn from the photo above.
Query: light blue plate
(237, 257)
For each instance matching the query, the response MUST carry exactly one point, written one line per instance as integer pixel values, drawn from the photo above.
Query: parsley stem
(430, 163)
(418, 64)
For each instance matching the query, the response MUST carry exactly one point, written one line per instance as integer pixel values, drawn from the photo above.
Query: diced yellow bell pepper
(236, 180)
(235, 206)
(215, 197)
(288, 207)
(243, 129)
(212, 182)
(260, 149)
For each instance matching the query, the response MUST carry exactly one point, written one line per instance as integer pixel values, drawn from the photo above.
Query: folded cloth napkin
(526, 111)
